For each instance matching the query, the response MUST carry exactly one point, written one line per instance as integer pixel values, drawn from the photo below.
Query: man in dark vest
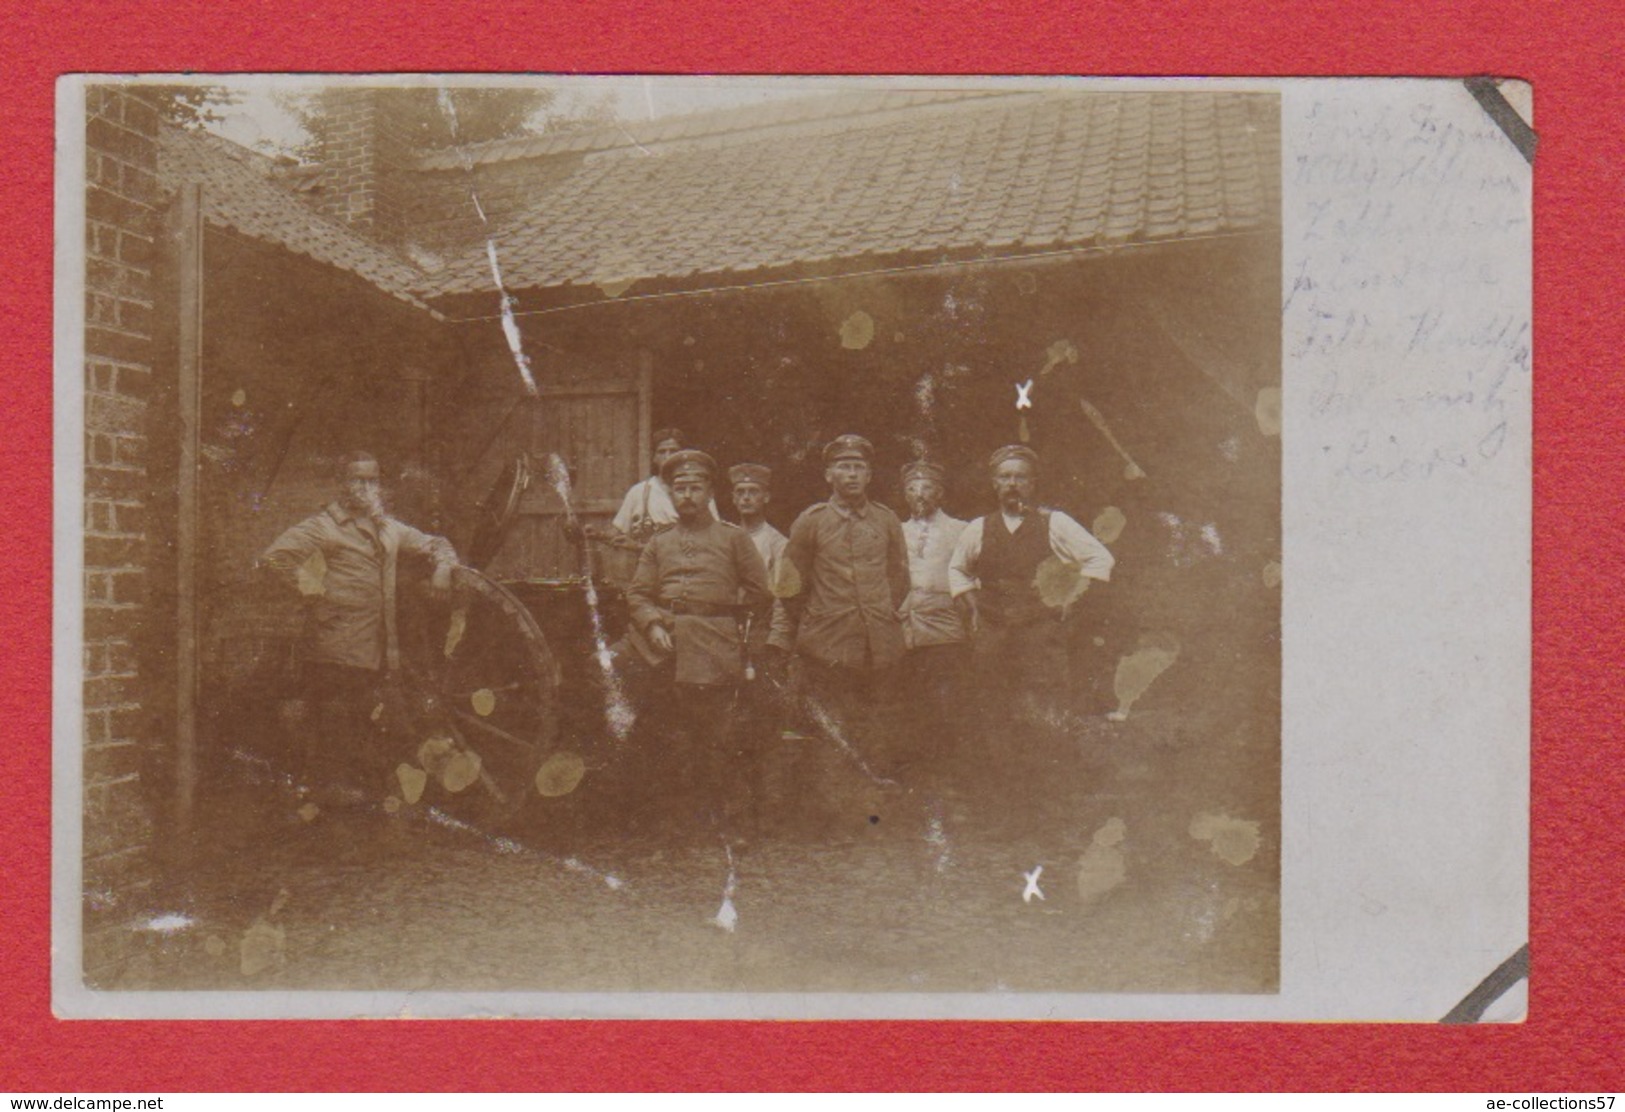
(1013, 574)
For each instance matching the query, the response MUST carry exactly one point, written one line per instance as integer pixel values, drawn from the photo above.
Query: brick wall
(122, 225)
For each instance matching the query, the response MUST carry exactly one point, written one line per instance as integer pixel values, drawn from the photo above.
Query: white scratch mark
(1032, 891)
(512, 846)
(1183, 548)
(440, 818)
(832, 730)
(633, 139)
(166, 924)
(727, 917)
(1204, 918)
(937, 839)
(262, 772)
(611, 881)
(618, 711)
(925, 392)
(510, 324)
(1024, 394)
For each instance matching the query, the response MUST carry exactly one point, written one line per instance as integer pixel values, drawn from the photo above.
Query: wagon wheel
(481, 701)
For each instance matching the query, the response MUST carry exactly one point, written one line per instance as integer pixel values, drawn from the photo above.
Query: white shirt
(929, 617)
(770, 545)
(649, 501)
(1068, 540)
(931, 543)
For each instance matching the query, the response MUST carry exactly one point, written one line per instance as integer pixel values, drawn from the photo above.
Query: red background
(1574, 1037)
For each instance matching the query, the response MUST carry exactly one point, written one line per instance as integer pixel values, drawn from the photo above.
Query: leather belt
(700, 609)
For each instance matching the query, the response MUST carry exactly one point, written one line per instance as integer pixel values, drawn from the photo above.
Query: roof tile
(239, 192)
(947, 174)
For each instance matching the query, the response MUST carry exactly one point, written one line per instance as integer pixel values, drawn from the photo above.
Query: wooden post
(415, 460)
(646, 367)
(186, 241)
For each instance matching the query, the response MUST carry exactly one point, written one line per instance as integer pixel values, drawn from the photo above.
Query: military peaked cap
(689, 459)
(757, 473)
(1012, 451)
(848, 446)
(920, 469)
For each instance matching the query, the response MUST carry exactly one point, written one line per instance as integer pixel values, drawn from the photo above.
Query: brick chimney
(361, 169)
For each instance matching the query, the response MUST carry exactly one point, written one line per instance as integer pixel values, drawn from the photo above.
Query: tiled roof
(1007, 173)
(240, 193)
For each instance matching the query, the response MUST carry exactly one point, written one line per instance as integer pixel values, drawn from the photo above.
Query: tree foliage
(192, 106)
(429, 118)
(434, 118)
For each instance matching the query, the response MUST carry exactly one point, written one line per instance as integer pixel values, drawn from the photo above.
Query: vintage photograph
(731, 536)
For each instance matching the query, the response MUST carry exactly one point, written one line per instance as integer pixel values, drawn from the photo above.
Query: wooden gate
(598, 425)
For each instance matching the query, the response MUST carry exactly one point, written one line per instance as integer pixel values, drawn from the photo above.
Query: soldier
(844, 575)
(647, 507)
(938, 645)
(688, 599)
(645, 511)
(766, 701)
(344, 561)
(994, 576)
(752, 491)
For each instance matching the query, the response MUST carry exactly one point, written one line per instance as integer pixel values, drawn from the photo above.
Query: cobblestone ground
(1159, 851)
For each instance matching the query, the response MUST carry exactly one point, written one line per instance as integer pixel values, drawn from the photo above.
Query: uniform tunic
(353, 607)
(692, 580)
(929, 616)
(850, 574)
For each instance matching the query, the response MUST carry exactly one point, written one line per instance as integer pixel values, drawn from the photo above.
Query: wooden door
(598, 426)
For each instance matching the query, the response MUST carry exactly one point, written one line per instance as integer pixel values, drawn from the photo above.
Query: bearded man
(697, 585)
(995, 573)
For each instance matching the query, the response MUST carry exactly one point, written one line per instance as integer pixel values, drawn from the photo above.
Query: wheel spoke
(486, 781)
(494, 731)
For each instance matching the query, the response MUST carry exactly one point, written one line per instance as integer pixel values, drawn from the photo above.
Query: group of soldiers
(738, 634)
(893, 639)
